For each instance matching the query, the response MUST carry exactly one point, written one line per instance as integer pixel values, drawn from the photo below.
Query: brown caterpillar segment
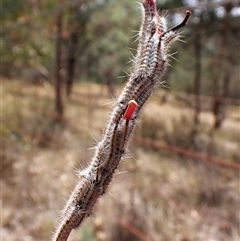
(147, 29)
(71, 217)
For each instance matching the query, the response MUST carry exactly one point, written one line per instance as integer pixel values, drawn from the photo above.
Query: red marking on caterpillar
(130, 109)
(151, 2)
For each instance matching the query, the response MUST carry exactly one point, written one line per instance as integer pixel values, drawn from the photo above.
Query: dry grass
(162, 196)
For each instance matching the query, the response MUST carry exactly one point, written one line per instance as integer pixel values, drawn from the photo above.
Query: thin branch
(183, 23)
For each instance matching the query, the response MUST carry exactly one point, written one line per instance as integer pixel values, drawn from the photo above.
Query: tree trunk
(197, 78)
(58, 80)
(218, 108)
(72, 48)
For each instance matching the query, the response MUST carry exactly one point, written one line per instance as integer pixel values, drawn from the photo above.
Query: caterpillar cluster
(149, 66)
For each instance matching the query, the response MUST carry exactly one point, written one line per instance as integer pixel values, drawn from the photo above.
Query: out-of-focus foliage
(108, 34)
(220, 33)
(26, 37)
(105, 29)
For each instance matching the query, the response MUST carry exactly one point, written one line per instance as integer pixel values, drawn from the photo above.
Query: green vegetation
(103, 31)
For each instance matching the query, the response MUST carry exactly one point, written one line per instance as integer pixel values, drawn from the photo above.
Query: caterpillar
(148, 67)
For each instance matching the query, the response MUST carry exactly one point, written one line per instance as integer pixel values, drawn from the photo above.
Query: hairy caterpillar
(148, 67)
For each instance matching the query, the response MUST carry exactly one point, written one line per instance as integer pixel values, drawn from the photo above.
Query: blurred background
(62, 65)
